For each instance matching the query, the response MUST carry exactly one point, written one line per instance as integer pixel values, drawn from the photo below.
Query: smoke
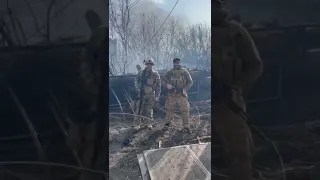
(154, 7)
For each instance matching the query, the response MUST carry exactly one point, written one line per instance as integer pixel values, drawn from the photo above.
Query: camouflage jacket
(236, 61)
(179, 78)
(150, 80)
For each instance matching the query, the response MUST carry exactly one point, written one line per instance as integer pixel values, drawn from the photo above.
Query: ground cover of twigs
(123, 162)
(298, 146)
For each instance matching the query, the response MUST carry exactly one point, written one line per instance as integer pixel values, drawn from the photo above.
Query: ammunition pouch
(148, 89)
(179, 90)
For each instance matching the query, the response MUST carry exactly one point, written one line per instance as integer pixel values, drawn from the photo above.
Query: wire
(144, 48)
(248, 119)
(154, 35)
(165, 20)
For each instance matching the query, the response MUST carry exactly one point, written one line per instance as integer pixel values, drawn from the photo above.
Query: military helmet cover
(149, 61)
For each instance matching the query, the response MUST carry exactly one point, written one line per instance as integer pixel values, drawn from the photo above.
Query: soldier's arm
(248, 53)
(137, 82)
(189, 81)
(157, 85)
(166, 77)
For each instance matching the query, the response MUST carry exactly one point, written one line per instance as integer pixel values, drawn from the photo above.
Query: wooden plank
(143, 167)
(175, 163)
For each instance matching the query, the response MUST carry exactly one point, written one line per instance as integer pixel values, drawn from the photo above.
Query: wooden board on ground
(143, 167)
(188, 162)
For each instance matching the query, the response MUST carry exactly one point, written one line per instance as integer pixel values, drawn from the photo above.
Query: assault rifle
(177, 90)
(143, 82)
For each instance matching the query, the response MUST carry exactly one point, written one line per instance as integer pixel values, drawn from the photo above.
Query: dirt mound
(123, 162)
(298, 147)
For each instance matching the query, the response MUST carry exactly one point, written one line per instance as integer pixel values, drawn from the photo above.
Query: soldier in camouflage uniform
(236, 66)
(86, 136)
(147, 84)
(135, 102)
(178, 82)
(138, 68)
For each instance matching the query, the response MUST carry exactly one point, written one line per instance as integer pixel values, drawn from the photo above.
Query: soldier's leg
(236, 137)
(185, 111)
(170, 107)
(140, 110)
(136, 110)
(149, 107)
(143, 112)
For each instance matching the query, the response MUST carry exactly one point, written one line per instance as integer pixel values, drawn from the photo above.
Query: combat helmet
(149, 61)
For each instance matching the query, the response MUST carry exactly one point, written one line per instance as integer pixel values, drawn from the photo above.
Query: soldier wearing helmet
(236, 66)
(138, 68)
(178, 82)
(147, 84)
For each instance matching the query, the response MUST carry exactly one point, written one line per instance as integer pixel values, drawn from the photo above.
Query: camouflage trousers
(171, 104)
(237, 141)
(146, 110)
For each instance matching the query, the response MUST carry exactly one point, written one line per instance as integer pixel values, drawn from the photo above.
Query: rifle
(177, 90)
(143, 81)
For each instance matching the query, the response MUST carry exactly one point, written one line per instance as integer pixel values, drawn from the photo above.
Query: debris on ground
(298, 145)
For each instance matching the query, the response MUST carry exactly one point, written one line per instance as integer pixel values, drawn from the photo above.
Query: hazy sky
(195, 11)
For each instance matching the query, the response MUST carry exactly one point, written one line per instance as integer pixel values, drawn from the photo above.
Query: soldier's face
(218, 13)
(149, 66)
(176, 65)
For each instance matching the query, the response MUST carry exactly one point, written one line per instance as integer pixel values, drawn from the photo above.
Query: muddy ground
(297, 145)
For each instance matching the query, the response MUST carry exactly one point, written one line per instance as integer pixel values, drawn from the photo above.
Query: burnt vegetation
(47, 89)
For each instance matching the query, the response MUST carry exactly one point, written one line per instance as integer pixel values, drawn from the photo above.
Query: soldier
(86, 135)
(178, 81)
(147, 84)
(138, 68)
(135, 102)
(236, 66)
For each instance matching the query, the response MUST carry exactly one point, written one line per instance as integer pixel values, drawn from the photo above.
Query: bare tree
(141, 34)
(194, 44)
(170, 40)
(148, 38)
(120, 20)
(48, 21)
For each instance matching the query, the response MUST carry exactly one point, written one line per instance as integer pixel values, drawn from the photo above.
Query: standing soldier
(236, 66)
(178, 82)
(147, 84)
(86, 135)
(135, 102)
(138, 68)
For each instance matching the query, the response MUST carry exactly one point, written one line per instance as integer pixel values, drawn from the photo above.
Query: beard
(219, 15)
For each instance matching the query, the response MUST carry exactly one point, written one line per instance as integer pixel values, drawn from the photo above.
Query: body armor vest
(177, 79)
(149, 82)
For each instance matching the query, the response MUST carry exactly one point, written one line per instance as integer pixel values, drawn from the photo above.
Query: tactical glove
(169, 86)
